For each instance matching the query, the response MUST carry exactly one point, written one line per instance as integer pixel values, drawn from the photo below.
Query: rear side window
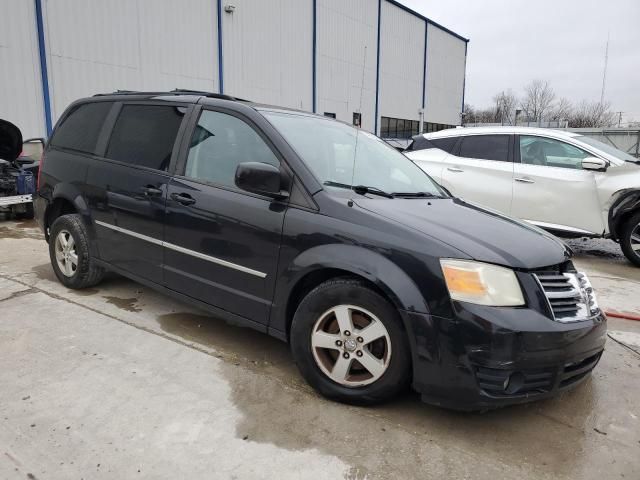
(144, 135)
(81, 128)
(485, 147)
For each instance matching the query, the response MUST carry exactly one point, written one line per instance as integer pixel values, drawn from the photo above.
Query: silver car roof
(463, 131)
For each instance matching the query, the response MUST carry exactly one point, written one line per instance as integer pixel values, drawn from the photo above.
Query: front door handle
(151, 191)
(524, 180)
(183, 198)
(455, 169)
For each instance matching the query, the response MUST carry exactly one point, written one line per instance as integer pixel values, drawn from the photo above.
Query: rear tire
(329, 359)
(70, 254)
(630, 239)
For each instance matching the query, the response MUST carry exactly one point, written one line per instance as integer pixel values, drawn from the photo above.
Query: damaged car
(565, 182)
(19, 163)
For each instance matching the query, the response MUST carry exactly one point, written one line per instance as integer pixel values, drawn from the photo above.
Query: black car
(323, 236)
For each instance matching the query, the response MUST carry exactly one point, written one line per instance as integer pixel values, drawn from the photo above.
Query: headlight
(481, 283)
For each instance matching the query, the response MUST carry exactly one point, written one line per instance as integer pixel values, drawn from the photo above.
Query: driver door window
(220, 142)
(548, 152)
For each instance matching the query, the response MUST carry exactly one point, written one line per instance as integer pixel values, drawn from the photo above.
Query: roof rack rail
(176, 91)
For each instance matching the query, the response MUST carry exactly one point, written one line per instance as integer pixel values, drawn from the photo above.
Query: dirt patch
(14, 232)
(126, 304)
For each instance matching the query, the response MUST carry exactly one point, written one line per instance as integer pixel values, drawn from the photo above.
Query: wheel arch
(322, 263)
(65, 199)
(623, 207)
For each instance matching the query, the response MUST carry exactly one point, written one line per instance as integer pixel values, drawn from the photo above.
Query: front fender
(363, 262)
(372, 266)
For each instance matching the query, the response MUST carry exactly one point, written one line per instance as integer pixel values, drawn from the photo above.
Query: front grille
(569, 295)
(574, 372)
(507, 382)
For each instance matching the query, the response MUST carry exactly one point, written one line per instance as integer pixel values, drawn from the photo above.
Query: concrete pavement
(121, 382)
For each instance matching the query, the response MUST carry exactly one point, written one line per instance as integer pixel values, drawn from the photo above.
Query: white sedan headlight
(481, 283)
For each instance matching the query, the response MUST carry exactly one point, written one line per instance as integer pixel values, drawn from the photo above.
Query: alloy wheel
(66, 253)
(351, 345)
(635, 240)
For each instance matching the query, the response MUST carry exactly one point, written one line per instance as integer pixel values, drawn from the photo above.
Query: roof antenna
(364, 63)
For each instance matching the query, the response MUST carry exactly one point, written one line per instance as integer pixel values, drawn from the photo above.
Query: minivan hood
(482, 234)
(10, 141)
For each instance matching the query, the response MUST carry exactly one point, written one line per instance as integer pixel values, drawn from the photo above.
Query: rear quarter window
(420, 143)
(80, 129)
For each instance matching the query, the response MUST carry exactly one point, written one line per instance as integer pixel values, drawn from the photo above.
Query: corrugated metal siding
(104, 45)
(445, 77)
(20, 86)
(267, 51)
(344, 30)
(401, 63)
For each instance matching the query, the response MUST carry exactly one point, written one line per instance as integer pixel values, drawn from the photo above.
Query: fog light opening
(513, 383)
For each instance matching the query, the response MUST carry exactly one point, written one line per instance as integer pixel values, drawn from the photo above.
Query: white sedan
(564, 182)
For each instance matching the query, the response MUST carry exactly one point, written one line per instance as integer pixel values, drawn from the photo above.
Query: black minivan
(322, 235)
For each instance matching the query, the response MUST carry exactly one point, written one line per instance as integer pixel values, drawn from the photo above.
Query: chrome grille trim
(570, 296)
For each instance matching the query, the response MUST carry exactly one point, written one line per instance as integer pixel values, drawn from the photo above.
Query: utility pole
(604, 73)
(619, 118)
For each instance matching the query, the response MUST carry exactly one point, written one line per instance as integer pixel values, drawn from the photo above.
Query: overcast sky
(563, 41)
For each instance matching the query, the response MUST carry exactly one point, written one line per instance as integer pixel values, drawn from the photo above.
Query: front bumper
(489, 357)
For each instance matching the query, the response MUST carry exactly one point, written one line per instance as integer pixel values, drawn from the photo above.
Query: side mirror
(593, 163)
(261, 178)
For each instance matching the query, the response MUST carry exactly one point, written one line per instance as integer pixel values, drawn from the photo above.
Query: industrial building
(371, 62)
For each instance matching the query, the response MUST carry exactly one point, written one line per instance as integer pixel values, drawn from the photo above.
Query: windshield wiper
(360, 189)
(416, 195)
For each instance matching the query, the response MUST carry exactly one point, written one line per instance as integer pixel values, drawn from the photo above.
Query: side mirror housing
(593, 163)
(260, 178)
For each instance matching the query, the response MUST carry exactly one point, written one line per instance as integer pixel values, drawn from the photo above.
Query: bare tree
(562, 110)
(538, 100)
(469, 114)
(592, 115)
(506, 103)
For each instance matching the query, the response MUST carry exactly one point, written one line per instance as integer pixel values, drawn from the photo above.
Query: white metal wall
(345, 28)
(401, 63)
(445, 76)
(267, 51)
(20, 85)
(97, 46)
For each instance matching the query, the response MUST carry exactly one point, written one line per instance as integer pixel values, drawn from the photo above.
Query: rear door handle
(455, 169)
(524, 180)
(151, 191)
(183, 198)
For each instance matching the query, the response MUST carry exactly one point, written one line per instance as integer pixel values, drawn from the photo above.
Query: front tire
(70, 255)
(630, 239)
(349, 343)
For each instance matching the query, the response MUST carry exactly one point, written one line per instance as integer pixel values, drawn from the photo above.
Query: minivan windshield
(611, 150)
(341, 156)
